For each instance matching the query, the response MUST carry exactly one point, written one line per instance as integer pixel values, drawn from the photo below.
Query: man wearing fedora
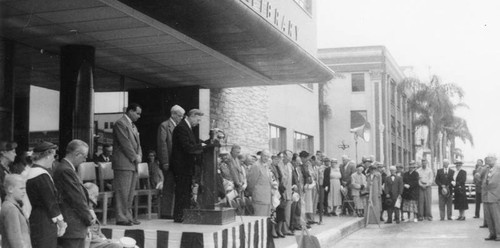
(444, 178)
(393, 189)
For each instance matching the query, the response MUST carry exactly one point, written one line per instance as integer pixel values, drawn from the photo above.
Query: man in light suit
(186, 149)
(127, 155)
(164, 150)
(491, 198)
(259, 185)
(444, 178)
(73, 196)
(393, 189)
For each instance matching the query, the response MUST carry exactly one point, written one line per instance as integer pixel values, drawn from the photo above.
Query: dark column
(6, 89)
(22, 116)
(76, 120)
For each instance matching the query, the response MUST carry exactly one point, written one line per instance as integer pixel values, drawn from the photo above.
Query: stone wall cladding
(242, 113)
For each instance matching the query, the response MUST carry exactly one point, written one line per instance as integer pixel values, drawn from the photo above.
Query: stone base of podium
(218, 216)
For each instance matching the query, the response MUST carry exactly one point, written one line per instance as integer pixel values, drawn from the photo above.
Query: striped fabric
(249, 234)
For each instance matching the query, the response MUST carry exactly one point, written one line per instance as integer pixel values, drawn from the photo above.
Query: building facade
(366, 90)
(249, 65)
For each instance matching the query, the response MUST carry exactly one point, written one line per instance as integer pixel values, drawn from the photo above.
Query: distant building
(366, 88)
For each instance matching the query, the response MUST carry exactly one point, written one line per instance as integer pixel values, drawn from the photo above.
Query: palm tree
(434, 105)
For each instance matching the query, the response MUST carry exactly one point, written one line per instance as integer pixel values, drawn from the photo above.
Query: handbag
(306, 240)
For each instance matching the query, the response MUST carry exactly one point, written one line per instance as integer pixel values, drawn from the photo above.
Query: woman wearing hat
(460, 201)
(410, 191)
(374, 182)
(359, 193)
(332, 187)
(46, 220)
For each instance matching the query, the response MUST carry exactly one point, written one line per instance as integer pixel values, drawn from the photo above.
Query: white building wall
(295, 107)
(337, 128)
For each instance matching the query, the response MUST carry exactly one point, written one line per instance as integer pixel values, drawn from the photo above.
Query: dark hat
(413, 163)
(458, 161)
(7, 145)
(44, 146)
(303, 154)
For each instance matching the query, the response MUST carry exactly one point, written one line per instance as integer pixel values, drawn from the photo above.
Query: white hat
(127, 242)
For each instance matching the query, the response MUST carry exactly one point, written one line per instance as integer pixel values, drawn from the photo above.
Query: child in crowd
(14, 226)
(97, 238)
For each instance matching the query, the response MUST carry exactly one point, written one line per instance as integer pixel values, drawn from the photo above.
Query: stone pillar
(76, 119)
(6, 89)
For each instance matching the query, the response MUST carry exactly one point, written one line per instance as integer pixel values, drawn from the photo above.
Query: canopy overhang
(212, 44)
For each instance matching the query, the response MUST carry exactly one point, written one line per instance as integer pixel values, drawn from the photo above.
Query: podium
(208, 213)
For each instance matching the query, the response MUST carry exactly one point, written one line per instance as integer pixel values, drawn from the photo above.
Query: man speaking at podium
(185, 148)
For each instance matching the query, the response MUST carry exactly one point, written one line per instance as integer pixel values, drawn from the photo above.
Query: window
(404, 131)
(393, 125)
(358, 118)
(303, 142)
(399, 129)
(393, 92)
(277, 138)
(111, 125)
(404, 105)
(358, 82)
(105, 125)
(393, 153)
(306, 5)
(400, 153)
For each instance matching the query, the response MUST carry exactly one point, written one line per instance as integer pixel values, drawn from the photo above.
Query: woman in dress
(46, 220)
(332, 180)
(460, 201)
(410, 191)
(374, 183)
(358, 186)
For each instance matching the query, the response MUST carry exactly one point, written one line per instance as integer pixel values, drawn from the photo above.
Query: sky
(457, 40)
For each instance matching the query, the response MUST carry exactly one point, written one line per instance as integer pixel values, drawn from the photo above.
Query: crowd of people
(45, 204)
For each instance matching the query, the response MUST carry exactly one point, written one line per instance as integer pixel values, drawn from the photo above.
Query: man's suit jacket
(74, 201)
(14, 225)
(393, 187)
(259, 183)
(126, 145)
(445, 180)
(164, 142)
(185, 148)
(491, 185)
(298, 178)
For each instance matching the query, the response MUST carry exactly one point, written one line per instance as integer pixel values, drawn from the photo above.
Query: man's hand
(61, 228)
(406, 186)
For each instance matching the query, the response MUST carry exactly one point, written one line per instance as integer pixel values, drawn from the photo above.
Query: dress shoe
(429, 218)
(290, 234)
(449, 218)
(308, 226)
(135, 222)
(491, 238)
(275, 236)
(178, 220)
(123, 223)
(483, 226)
(475, 217)
(397, 221)
(281, 235)
(388, 222)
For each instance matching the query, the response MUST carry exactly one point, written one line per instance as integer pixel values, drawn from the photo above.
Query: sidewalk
(331, 231)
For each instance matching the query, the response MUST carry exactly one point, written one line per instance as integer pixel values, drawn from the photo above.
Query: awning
(158, 43)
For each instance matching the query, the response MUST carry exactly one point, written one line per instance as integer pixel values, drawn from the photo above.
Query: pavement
(436, 233)
(332, 230)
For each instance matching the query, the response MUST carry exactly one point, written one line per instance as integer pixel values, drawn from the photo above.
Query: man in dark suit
(393, 189)
(106, 155)
(127, 155)
(74, 197)
(164, 150)
(185, 148)
(444, 178)
(491, 198)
